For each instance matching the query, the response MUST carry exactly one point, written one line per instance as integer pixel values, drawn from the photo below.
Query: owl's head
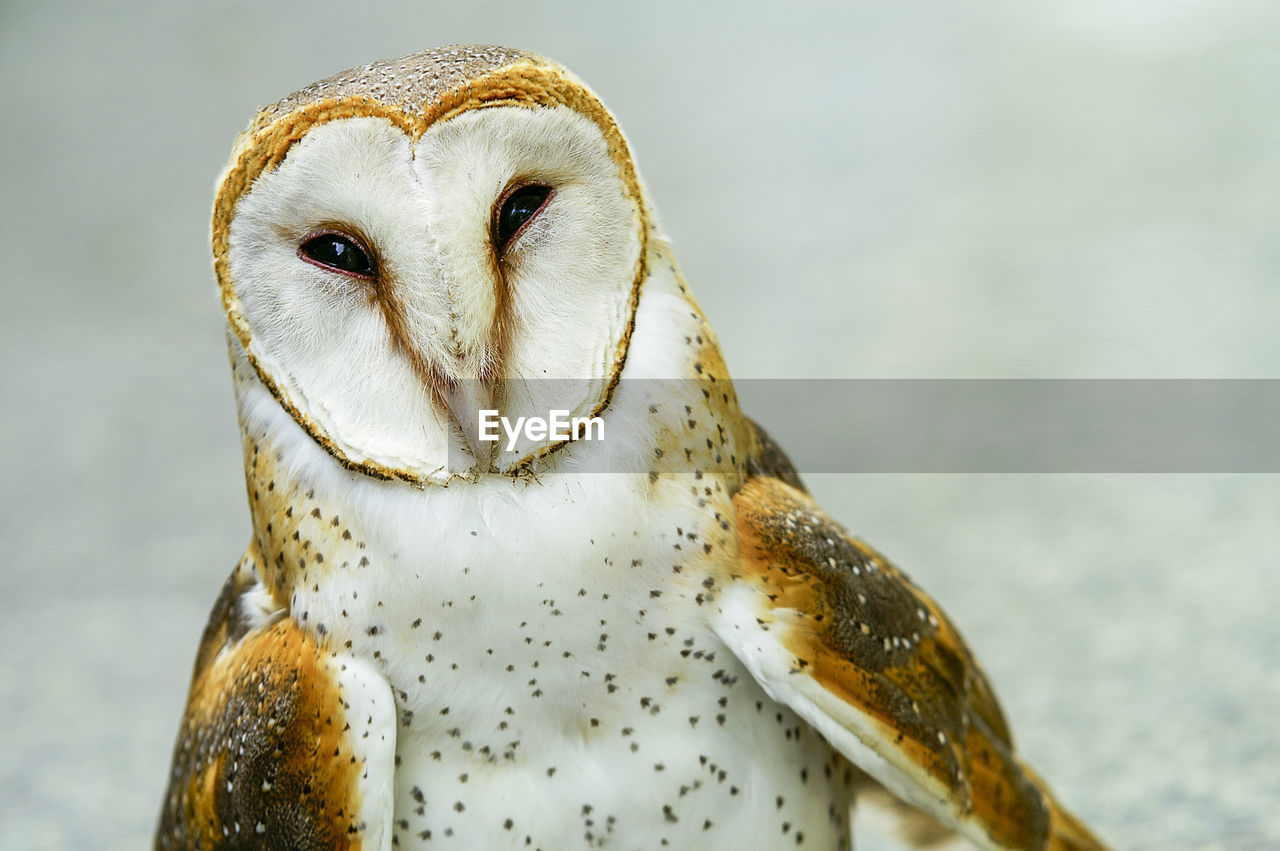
(411, 242)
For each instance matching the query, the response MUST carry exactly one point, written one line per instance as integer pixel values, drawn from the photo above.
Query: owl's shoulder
(284, 743)
(832, 628)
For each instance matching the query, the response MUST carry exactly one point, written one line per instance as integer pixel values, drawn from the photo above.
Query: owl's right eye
(338, 252)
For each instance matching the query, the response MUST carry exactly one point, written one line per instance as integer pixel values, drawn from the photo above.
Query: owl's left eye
(338, 252)
(515, 210)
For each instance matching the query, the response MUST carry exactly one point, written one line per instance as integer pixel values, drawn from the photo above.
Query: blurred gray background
(920, 189)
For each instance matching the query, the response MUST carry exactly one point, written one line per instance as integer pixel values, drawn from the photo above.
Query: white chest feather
(555, 676)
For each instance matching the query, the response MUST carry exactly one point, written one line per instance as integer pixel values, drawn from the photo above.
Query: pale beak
(465, 400)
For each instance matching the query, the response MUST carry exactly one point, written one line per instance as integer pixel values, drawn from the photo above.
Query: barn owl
(621, 622)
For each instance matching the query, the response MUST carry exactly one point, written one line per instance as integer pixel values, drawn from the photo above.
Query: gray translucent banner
(914, 426)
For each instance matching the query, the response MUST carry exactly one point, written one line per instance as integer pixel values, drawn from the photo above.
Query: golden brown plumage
(269, 753)
(873, 641)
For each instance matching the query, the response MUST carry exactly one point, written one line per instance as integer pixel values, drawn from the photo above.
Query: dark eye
(517, 209)
(337, 252)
